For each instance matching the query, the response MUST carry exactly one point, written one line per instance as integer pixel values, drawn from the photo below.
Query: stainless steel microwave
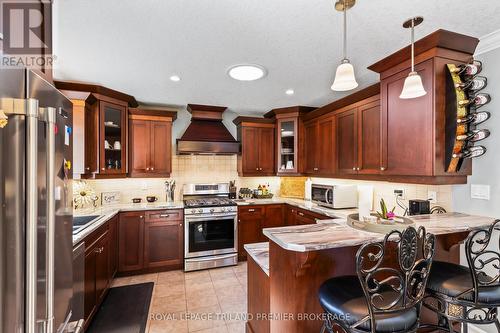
(335, 196)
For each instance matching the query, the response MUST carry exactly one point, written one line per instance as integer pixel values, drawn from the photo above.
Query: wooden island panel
(295, 278)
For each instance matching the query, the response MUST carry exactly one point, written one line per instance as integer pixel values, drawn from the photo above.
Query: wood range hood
(206, 134)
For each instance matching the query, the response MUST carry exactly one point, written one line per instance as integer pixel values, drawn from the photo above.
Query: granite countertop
(336, 233)
(107, 212)
(260, 253)
(301, 203)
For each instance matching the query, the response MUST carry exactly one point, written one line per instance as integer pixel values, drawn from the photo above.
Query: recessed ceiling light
(175, 78)
(248, 72)
(290, 92)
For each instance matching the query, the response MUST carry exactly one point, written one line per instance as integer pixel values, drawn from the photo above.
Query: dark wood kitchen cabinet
(370, 138)
(252, 219)
(131, 241)
(163, 240)
(414, 130)
(319, 146)
(97, 268)
(347, 141)
(249, 227)
(150, 142)
(257, 137)
(289, 138)
(151, 241)
(104, 129)
(359, 138)
(113, 246)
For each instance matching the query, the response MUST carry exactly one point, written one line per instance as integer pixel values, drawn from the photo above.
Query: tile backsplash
(213, 169)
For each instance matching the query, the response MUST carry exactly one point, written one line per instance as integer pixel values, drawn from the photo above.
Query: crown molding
(488, 42)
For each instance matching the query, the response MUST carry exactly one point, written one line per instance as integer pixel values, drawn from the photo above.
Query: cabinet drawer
(251, 211)
(164, 215)
(312, 216)
(95, 236)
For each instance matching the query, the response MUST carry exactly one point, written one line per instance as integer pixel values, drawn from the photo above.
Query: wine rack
(463, 99)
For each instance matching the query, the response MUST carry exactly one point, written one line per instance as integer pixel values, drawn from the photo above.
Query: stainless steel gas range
(211, 227)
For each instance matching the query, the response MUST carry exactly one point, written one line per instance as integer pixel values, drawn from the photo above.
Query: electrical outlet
(432, 196)
(400, 193)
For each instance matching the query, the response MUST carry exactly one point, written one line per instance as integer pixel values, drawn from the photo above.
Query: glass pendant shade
(344, 77)
(413, 87)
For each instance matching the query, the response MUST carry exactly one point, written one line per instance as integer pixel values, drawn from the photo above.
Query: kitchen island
(301, 258)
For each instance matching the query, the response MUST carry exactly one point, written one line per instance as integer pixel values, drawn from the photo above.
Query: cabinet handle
(353, 168)
(315, 169)
(180, 224)
(141, 217)
(103, 169)
(382, 168)
(87, 168)
(147, 169)
(164, 215)
(251, 210)
(357, 169)
(301, 214)
(257, 169)
(152, 169)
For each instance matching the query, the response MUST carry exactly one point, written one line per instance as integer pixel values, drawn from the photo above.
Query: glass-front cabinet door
(287, 145)
(113, 118)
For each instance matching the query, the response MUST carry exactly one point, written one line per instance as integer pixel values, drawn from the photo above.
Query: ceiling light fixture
(175, 78)
(413, 86)
(290, 92)
(344, 76)
(247, 72)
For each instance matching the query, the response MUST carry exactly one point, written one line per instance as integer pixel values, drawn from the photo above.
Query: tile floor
(204, 301)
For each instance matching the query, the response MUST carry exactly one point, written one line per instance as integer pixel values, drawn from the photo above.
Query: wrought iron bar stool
(386, 295)
(468, 294)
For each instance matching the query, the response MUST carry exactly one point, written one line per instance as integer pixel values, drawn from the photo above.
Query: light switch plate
(480, 192)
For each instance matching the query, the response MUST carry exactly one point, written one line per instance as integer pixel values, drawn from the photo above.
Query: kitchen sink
(81, 222)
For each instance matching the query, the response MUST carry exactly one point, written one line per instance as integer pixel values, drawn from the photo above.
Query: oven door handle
(204, 218)
(231, 255)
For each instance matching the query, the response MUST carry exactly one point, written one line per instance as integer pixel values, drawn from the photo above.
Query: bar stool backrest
(394, 272)
(482, 250)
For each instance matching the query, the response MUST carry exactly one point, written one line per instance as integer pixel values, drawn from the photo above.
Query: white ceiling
(135, 46)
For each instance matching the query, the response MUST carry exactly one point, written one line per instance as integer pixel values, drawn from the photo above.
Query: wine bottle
(474, 136)
(471, 152)
(475, 84)
(477, 101)
(470, 69)
(474, 118)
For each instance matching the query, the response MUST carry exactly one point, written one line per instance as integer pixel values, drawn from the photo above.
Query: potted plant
(385, 216)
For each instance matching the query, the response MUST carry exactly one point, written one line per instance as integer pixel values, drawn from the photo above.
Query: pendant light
(413, 86)
(344, 76)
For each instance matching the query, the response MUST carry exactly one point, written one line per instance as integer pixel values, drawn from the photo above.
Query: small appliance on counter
(419, 207)
(335, 196)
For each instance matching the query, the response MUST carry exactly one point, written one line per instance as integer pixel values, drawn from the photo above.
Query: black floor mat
(125, 310)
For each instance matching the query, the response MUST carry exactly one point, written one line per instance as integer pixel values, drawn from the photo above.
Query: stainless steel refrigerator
(36, 249)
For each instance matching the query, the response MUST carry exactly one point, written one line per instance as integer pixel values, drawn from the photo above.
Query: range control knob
(193, 211)
(223, 209)
(200, 211)
(212, 210)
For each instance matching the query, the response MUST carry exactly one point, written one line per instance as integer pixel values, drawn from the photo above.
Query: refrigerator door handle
(31, 107)
(48, 115)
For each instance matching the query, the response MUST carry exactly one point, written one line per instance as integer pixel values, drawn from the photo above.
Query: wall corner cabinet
(150, 142)
(105, 128)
